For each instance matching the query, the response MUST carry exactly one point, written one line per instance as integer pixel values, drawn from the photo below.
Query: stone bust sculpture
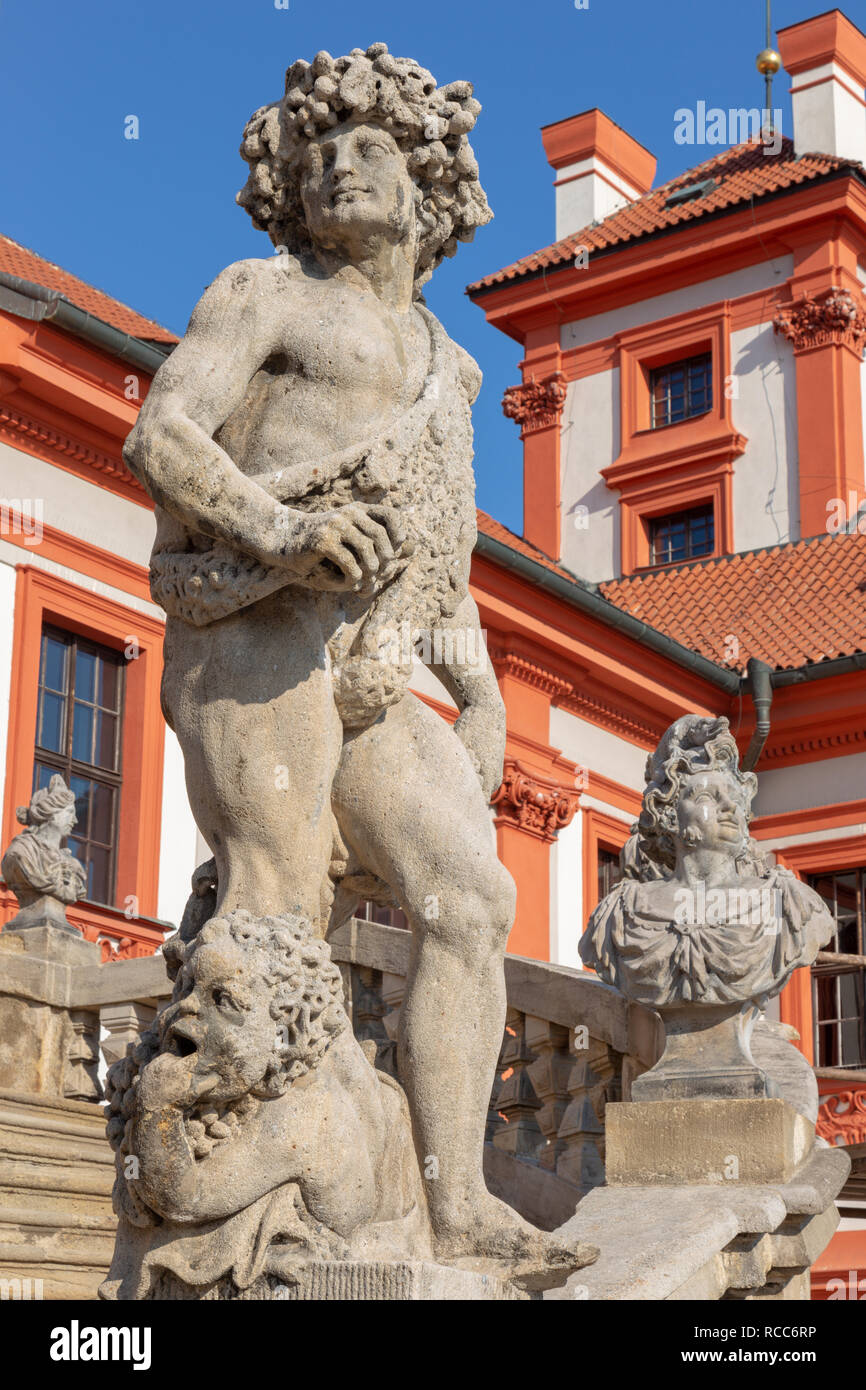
(702, 927)
(308, 446)
(43, 874)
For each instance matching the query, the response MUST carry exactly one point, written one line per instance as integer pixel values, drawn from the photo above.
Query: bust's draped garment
(744, 953)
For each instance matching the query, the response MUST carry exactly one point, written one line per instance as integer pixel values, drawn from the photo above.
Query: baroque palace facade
(692, 411)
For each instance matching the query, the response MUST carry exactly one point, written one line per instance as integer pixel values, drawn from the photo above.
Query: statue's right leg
(250, 700)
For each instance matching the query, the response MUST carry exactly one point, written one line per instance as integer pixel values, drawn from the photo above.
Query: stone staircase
(56, 1175)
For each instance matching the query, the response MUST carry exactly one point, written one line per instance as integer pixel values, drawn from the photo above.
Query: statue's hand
(350, 547)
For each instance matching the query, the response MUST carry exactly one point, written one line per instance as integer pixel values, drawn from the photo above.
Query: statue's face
(711, 812)
(224, 1022)
(355, 186)
(66, 819)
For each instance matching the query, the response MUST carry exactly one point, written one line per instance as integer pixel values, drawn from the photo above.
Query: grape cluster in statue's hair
(430, 125)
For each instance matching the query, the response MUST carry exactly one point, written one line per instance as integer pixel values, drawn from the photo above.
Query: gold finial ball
(768, 62)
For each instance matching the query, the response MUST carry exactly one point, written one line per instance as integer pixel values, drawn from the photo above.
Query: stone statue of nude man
(308, 447)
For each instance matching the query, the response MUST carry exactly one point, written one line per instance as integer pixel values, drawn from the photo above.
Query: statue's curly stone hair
(691, 744)
(430, 125)
(305, 986)
(46, 802)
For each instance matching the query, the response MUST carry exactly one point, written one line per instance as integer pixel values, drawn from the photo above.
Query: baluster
(517, 1101)
(124, 1024)
(549, 1073)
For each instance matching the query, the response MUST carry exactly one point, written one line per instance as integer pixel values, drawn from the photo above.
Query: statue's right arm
(172, 450)
(173, 453)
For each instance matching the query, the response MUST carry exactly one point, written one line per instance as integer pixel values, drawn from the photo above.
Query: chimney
(599, 168)
(826, 59)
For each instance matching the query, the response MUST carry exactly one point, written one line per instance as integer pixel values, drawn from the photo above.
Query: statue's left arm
(468, 676)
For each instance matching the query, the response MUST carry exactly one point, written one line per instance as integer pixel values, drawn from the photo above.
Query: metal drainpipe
(27, 300)
(761, 689)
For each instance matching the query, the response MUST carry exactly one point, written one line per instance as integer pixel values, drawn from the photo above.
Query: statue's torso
(337, 367)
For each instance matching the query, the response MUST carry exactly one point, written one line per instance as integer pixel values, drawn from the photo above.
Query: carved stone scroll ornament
(534, 803)
(43, 874)
(832, 317)
(535, 405)
(702, 928)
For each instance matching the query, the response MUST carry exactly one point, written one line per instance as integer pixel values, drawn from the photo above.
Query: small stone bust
(702, 927)
(43, 874)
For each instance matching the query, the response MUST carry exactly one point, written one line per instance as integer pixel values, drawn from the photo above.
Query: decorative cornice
(833, 316)
(535, 405)
(842, 1117)
(820, 743)
(530, 673)
(533, 803)
(608, 717)
(16, 427)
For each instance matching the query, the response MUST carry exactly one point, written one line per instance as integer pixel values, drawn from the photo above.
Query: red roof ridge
(19, 260)
(742, 171)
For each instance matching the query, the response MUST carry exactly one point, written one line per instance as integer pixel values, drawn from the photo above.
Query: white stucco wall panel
(590, 442)
(81, 509)
(764, 409)
(762, 275)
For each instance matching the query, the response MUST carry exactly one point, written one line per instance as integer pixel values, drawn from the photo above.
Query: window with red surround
(677, 437)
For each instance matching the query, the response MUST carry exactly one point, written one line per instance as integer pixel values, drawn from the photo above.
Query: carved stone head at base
(702, 927)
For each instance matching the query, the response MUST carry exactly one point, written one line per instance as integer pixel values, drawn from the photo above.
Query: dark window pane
(106, 729)
(52, 723)
(88, 693)
(682, 536)
(85, 675)
(840, 992)
(53, 672)
(98, 871)
(108, 685)
(102, 801)
(82, 733)
(681, 390)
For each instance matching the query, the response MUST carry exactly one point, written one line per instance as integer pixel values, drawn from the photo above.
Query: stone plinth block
(397, 1281)
(681, 1142)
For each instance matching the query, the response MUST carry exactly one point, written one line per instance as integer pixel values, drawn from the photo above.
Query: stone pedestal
(698, 1142)
(46, 1048)
(398, 1281)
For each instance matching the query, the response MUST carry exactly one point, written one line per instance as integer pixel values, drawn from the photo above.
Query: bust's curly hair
(46, 803)
(429, 124)
(691, 744)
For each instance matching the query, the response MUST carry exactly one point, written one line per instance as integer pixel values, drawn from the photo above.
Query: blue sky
(152, 221)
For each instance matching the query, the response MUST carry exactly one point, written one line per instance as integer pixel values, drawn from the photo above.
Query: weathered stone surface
(704, 1141)
(702, 927)
(308, 447)
(42, 873)
(56, 1172)
(706, 1242)
(46, 1047)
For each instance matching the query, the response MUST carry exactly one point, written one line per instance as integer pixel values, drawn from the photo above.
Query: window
(681, 390)
(838, 984)
(78, 729)
(385, 916)
(609, 871)
(682, 536)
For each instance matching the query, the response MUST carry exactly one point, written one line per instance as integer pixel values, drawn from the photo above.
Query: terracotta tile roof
(740, 173)
(789, 605)
(501, 533)
(18, 260)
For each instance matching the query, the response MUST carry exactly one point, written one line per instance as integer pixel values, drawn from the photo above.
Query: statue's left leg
(410, 804)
